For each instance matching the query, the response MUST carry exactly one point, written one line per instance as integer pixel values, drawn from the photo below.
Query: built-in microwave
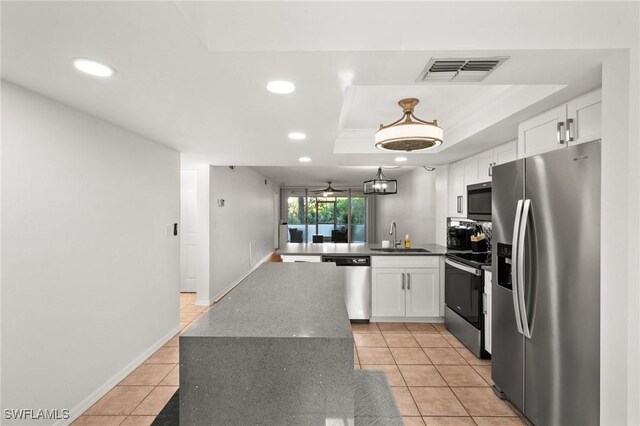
(479, 201)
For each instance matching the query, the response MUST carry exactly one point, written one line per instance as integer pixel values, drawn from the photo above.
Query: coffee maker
(459, 232)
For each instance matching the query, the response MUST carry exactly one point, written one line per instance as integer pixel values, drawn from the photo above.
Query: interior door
(189, 230)
(388, 292)
(507, 346)
(562, 259)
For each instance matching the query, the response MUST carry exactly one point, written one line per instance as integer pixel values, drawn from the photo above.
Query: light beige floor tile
(453, 340)
(375, 356)
(155, 401)
(188, 316)
(485, 372)
(98, 421)
(393, 327)
(397, 340)
(391, 371)
(357, 366)
(409, 356)
(421, 328)
(413, 421)
(482, 402)
(499, 421)
(404, 401)
(147, 375)
(369, 341)
(173, 378)
(138, 421)
(460, 375)
(193, 308)
(440, 326)
(358, 327)
(421, 375)
(431, 340)
(445, 356)
(448, 421)
(120, 401)
(437, 402)
(471, 358)
(165, 355)
(175, 341)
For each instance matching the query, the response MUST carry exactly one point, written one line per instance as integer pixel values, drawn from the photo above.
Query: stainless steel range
(464, 285)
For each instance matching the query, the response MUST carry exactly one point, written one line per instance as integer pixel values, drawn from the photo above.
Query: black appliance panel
(479, 201)
(463, 294)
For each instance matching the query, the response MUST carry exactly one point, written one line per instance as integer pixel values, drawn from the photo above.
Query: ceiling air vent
(459, 69)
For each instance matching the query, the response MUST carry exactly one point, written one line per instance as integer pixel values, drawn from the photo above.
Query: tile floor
(435, 380)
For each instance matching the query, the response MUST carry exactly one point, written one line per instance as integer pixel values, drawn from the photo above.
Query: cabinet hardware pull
(560, 132)
(490, 169)
(408, 281)
(570, 130)
(403, 280)
(459, 204)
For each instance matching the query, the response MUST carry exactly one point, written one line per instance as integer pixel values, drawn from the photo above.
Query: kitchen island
(277, 350)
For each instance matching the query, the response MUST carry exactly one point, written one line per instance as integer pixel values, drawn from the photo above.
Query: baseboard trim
(408, 319)
(83, 406)
(239, 280)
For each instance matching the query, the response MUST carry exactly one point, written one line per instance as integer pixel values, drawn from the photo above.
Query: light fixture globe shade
(409, 137)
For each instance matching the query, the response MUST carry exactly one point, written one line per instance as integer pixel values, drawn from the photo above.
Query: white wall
(89, 275)
(413, 208)
(241, 231)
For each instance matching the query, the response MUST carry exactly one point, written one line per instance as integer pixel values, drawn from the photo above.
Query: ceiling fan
(329, 190)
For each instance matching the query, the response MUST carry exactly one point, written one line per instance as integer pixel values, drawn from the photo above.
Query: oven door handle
(469, 269)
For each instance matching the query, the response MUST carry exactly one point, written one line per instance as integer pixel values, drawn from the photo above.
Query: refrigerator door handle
(520, 260)
(515, 265)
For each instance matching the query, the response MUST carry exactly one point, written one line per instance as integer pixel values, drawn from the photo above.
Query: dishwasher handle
(469, 269)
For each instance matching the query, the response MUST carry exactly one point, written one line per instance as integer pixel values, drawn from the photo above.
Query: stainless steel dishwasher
(357, 292)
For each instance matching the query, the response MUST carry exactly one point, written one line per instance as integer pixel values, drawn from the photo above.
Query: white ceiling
(192, 75)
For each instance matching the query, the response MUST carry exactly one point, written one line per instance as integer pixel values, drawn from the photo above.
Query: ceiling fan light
(409, 133)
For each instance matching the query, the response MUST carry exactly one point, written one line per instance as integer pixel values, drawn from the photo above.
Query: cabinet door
(423, 288)
(457, 190)
(586, 113)
(484, 163)
(543, 133)
(505, 153)
(387, 292)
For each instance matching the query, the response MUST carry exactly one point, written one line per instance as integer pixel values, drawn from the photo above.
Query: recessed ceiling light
(304, 159)
(297, 136)
(91, 67)
(400, 159)
(281, 87)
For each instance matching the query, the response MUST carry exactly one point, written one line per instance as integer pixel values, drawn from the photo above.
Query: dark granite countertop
(281, 300)
(357, 249)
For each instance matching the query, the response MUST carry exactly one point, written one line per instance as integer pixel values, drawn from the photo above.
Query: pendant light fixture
(380, 185)
(409, 133)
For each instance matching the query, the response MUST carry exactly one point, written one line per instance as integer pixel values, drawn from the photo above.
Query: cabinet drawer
(405, 261)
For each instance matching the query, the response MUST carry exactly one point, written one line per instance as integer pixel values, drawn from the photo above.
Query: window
(336, 218)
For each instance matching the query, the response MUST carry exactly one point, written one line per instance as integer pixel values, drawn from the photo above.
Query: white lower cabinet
(412, 291)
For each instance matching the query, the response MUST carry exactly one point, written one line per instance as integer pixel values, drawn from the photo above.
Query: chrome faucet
(393, 231)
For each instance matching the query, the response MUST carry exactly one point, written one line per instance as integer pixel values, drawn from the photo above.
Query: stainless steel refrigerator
(546, 286)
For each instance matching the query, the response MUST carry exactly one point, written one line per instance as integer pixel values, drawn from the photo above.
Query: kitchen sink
(401, 250)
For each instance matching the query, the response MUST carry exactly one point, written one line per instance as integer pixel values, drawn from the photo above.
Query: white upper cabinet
(586, 115)
(543, 133)
(457, 194)
(575, 122)
(476, 169)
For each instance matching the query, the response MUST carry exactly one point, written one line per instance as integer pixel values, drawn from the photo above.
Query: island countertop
(354, 249)
(281, 300)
